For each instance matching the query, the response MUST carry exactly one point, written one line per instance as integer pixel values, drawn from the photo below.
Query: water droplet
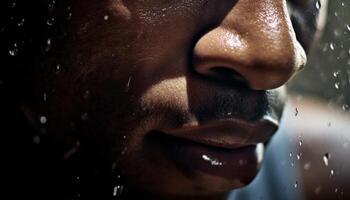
(86, 94)
(21, 23)
(52, 3)
(84, 116)
(106, 17)
(13, 52)
(50, 21)
(336, 190)
(317, 190)
(332, 46)
(337, 85)
(212, 161)
(332, 172)
(345, 107)
(299, 156)
(58, 67)
(336, 74)
(296, 112)
(326, 158)
(348, 26)
(45, 96)
(296, 184)
(318, 4)
(307, 165)
(117, 190)
(300, 142)
(290, 154)
(43, 120)
(36, 139)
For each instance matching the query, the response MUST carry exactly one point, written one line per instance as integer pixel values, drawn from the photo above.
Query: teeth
(259, 152)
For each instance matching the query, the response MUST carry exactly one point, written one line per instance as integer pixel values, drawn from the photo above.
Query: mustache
(247, 105)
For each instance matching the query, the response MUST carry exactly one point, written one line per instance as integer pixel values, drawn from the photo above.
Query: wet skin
(175, 95)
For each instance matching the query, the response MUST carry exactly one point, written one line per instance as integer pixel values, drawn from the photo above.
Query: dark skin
(133, 67)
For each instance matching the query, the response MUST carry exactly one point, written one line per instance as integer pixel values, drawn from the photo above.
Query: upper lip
(228, 133)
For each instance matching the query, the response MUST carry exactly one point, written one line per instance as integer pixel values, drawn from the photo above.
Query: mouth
(231, 149)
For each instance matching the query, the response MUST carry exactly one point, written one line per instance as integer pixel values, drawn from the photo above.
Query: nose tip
(261, 54)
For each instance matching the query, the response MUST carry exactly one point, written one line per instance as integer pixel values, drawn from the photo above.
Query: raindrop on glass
(36, 139)
(21, 23)
(299, 156)
(117, 190)
(45, 96)
(336, 74)
(318, 4)
(50, 21)
(84, 116)
(296, 184)
(326, 158)
(43, 120)
(307, 165)
(317, 190)
(14, 50)
(337, 85)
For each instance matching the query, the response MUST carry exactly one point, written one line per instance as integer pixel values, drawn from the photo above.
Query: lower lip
(232, 164)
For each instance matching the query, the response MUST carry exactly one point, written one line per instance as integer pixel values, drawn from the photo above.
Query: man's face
(178, 94)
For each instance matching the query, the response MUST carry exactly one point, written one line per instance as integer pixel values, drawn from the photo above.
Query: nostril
(227, 74)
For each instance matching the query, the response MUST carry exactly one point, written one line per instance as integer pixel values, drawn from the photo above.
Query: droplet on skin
(212, 161)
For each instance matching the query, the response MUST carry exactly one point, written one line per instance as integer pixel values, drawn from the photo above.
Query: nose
(255, 43)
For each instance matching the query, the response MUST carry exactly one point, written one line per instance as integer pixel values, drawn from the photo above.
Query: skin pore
(132, 70)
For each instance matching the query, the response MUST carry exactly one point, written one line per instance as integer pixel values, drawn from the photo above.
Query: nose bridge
(257, 41)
